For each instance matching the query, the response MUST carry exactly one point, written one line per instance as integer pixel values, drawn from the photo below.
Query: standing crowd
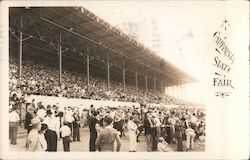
(45, 126)
(163, 128)
(160, 127)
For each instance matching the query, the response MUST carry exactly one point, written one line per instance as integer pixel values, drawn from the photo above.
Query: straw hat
(30, 108)
(35, 121)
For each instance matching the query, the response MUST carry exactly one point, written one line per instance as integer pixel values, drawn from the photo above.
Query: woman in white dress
(132, 130)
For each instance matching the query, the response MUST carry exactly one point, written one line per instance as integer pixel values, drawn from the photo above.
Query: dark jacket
(147, 126)
(28, 118)
(76, 122)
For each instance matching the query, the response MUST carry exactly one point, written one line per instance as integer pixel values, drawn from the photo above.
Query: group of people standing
(161, 127)
(171, 129)
(108, 126)
(46, 126)
(102, 134)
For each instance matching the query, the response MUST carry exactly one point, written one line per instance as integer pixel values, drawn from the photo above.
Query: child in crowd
(66, 132)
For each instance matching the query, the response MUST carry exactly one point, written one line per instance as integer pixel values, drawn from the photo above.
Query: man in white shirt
(193, 119)
(193, 122)
(52, 134)
(66, 132)
(69, 118)
(13, 125)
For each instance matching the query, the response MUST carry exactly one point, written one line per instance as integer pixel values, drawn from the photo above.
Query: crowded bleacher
(39, 79)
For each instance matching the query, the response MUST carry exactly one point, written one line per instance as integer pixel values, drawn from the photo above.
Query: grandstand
(74, 42)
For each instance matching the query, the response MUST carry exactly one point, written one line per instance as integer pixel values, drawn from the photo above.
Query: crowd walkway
(82, 146)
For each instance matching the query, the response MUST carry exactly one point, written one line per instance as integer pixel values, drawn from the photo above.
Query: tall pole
(162, 90)
(21, 47)
(154, 83)
(60, 59)
(124, 76)
(146, 81)
(87, 71)
(136, 82)
(108, 76)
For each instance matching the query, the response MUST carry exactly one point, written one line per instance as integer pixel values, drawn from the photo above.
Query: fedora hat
(48, 112)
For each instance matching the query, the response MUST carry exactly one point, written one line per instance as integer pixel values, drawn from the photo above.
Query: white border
(227, 120)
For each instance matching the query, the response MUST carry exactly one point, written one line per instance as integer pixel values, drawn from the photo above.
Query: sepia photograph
(136, 79)
(79, 83)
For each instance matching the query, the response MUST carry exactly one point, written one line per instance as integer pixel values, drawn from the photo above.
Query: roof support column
(87, 67)
(21, 47)
(87, 71)
(20, 52)
(21, 39)
(123, 75)
(161, 87)
(108, 76)
(154, 83)
(136, 82)
(60, 59)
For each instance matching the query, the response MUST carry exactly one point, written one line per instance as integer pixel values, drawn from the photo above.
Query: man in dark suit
(93, 133)
(148, 131)
(76, 127)
(29, 115)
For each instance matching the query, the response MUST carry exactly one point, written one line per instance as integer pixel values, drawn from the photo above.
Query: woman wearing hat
(34, 142)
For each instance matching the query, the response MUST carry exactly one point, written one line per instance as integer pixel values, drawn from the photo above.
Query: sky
(179, 31)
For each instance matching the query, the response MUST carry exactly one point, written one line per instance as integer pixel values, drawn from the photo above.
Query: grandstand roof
(82, 31)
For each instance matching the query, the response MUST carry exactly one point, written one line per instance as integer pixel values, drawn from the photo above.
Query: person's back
(32, 139)
(108, 135)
